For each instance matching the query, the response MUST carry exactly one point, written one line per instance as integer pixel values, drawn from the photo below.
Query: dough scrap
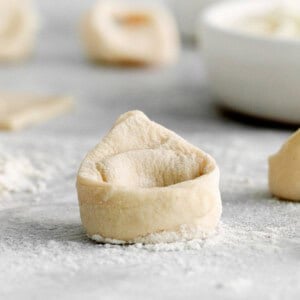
(18, 27)
(120, 32)
(284, 170)
(143, 179)
(20, 110)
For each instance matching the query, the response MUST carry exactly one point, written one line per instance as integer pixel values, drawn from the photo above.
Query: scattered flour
(18, 174)
(225, 235)
(184, 234)
(254, 252)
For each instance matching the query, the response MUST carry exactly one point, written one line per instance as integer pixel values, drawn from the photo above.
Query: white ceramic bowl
(253, 74)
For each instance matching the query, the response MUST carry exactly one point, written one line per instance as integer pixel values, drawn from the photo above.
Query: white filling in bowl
(249, 70)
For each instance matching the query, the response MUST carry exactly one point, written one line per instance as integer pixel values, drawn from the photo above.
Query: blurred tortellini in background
(18, 28)
(126, 32)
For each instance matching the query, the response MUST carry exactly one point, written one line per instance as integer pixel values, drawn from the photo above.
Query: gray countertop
(44, 253)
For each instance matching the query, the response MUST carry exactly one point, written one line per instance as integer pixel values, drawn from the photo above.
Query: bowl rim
(206, 20)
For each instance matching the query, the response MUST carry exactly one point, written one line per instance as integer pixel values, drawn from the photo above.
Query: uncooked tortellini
(18, 24)
(121, 32)
(284, 170)
(144, 183)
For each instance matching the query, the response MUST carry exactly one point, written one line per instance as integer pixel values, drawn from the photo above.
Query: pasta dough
(18, 111)
(120, 32)
(284, 170)
(143, 179)
(18, 26)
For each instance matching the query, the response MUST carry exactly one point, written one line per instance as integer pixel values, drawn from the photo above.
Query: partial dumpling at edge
(284, 170)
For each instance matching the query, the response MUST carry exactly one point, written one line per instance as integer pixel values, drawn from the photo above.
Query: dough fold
(143, 179)
(284, 170)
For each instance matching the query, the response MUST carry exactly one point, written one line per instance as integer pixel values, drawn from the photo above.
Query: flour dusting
(255, 245)
(184, 234)
(224, 236)
(18, 174)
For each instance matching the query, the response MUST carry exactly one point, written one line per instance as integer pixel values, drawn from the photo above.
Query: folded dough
(142, 180)
(121, 32)
(18, 26)
(20, 110)
(284, 170)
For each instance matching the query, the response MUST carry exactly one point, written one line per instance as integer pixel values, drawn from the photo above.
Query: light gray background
(43, 249)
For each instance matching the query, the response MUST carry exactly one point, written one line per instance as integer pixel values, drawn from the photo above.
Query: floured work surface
(21, 110)
(44, 252)
(44, 249)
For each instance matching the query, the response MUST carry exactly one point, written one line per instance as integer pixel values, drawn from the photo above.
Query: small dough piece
(18, 27)
(121, 32)
(284, 170)
(142, 180)
(18, 111)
